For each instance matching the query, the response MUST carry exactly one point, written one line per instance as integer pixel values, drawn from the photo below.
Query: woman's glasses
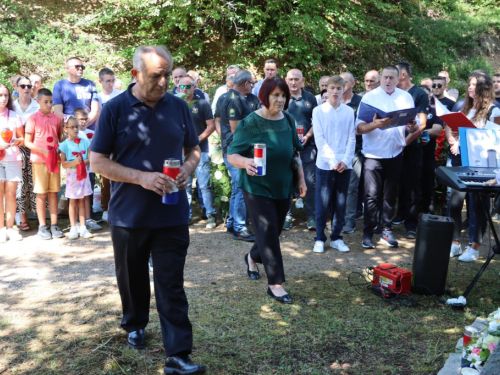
(26, 86)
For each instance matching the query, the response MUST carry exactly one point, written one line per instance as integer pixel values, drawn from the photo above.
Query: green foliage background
(319, 37)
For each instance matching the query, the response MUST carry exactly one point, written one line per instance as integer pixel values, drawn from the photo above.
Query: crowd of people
(318, 153)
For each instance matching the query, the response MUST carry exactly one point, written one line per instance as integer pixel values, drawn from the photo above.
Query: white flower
(474, 359)
(494, 325)
(216, 156)
(218, 175)
(489, 339)
(224, 198)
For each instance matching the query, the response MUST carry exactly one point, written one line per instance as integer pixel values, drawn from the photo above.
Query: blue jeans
(237, 210)
(204, 188)
(331, 191)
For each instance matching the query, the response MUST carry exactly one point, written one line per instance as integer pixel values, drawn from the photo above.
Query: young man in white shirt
(107, 80)
(334, 133)
(383, 155)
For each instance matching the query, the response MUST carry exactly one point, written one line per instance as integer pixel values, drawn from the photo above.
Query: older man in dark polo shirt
(301, 107)
(140, 129)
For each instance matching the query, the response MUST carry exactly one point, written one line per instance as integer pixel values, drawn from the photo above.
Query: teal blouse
(280, 137)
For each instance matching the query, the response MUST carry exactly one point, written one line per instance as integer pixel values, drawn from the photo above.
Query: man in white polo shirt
(382, 150)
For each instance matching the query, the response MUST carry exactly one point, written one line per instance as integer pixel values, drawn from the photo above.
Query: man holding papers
(383, 152)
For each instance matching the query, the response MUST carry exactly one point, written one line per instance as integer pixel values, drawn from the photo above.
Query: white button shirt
(334, 135)
(33, 107)
(389, 143)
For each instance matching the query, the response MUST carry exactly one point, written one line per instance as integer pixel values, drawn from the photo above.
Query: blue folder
(401, 117)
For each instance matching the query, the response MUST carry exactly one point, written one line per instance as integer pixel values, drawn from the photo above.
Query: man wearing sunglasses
(434, 128)
(203, 120)
(75, 91)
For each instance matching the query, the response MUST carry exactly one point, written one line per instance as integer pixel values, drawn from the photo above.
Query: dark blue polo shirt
(140, 137)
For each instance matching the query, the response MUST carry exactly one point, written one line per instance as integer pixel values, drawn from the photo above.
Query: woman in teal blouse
(267, 197)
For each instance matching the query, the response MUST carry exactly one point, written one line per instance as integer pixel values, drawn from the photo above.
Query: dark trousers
(268, 216)
(308, 158)
(92, 184)
(168, 248)
(381, 186)
(477, 218)
(105, 193)
(409, 188)
(331, 192)
(427, 184)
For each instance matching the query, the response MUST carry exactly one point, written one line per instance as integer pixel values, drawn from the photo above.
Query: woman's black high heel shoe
(254, 275)
(283, 299)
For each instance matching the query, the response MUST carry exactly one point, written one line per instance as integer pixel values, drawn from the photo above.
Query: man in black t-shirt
(201, 112)
(235, 106)
(434, 128)
(411, 174)
(352, 100)
(301, 107)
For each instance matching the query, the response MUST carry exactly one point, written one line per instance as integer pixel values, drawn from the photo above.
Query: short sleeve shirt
(201, 112)
(140, 137)
(69, 147)
(234, 107)
(74, 95)
(10, 120)
(105, 98)
(421, 100)
(45, 130)
(280, 137)
(301, 109)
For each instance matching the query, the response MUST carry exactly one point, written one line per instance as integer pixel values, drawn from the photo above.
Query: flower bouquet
(476, 354)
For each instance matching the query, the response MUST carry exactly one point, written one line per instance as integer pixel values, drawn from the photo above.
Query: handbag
(296, 162)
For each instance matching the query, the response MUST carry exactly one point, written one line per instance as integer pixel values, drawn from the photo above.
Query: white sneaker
(340, 246)
(84, 233)
(470, 255)
(13, 235)
(319, 247)
(73, 233)
(3, 234)
(455, 250)
(105, 216)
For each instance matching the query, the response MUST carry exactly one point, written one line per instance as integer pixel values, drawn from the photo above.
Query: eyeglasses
(438, 85)
(186, 87)
(73, 127)
(251, 83)
(109, 80)
(26, 86)
(82, 67)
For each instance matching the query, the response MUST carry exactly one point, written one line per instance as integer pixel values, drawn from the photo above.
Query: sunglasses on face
(82, 67)
(185, 87)
(26, 86)
(438, 85)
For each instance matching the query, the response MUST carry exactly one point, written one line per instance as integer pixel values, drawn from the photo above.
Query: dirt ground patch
(60, 308)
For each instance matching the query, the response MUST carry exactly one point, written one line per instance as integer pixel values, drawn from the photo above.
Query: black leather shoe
(246, 235)
(283, 299)
(137, 339)
(182, 366)
(254, 275)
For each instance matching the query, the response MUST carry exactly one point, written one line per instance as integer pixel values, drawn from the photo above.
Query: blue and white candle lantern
(259, 158)
(171, 167)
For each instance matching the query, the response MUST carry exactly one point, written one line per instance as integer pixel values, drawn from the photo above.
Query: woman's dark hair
(484, 96)
(323, 92)
(9, 103)
(268, 87)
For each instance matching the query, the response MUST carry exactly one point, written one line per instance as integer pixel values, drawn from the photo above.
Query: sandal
(24, 226)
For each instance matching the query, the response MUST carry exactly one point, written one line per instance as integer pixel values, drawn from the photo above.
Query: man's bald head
(372, 80)
(295, 81)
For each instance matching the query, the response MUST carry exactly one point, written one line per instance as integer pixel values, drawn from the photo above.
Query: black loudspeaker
(432, 254)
